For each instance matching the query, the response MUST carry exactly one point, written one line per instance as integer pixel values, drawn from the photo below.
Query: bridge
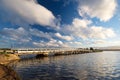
(51, 51)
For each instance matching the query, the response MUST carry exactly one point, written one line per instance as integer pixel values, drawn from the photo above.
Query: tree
(91, 48)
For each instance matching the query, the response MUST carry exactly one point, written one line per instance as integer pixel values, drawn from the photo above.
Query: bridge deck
(48, 52)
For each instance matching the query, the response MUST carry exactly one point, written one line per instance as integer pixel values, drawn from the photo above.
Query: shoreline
(6, 58)
(7, 73)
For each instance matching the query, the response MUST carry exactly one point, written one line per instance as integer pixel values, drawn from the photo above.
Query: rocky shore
(6, 73)
(7, 58)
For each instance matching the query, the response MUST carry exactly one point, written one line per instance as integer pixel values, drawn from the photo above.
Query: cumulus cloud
(113, 42)
(100, 32)
(57, 43)
(22, 36)
(102, 9)
(105, 43)
(78, 28)
(25, 12)
(74, 44)
(68, 38)
(25, 35)
(19, 34)
(99, 42)
(41, 34)
(51, 43)
(29, 12)
(81, 23)
(83, 29)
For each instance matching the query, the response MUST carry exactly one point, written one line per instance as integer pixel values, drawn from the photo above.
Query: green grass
(3, 53)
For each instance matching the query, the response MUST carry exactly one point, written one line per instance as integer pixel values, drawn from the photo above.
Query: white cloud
(41, 34)
(100, 32)
(68, 38)
(81, 23)
(96, 42)
(78, 28)
(105, 43)
(19, 34)
(24, 35)
(51, 43)
(74, 43)
(57, 43)
(81, 28)
(102, 9)
(108, 42)
(29, 12)
(26, 12)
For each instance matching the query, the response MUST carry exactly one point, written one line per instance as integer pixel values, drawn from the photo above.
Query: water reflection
(99, 66)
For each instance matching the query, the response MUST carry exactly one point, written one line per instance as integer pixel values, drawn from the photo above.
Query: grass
(3, 53)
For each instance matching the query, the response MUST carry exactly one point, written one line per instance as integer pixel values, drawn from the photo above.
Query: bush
(91, 48)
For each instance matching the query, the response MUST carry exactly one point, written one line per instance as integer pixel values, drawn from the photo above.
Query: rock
(6, 58)
(6, 73)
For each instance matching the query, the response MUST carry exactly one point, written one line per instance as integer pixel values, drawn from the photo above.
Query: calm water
(93, 66)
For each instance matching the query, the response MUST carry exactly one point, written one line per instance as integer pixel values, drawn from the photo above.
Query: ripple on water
(100, 66)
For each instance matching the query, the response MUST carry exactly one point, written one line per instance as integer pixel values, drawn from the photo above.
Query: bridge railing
(35, 50)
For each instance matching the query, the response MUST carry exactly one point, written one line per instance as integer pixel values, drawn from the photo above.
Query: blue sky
(59, 23)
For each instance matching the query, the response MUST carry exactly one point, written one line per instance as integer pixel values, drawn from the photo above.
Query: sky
(59, 23)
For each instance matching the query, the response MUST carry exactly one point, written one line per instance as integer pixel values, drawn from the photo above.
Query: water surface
(90, 66)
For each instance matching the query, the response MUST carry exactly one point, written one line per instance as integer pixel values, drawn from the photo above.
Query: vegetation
(5, 49)
(91, 48)
(2, 53)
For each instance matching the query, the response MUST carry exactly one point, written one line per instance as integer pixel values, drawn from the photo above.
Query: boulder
(6, 73)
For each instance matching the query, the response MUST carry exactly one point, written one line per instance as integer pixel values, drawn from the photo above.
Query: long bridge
(51, 51)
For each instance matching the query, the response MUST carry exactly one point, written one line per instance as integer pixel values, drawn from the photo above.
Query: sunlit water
(90, 66)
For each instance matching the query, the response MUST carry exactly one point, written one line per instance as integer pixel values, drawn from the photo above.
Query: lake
(90, 66)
